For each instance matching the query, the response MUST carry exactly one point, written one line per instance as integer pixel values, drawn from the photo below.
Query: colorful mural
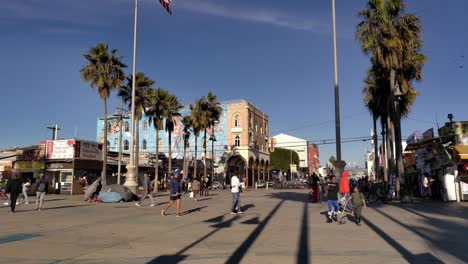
(148, 137)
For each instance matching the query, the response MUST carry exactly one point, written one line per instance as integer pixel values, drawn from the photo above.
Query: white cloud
(252, 14)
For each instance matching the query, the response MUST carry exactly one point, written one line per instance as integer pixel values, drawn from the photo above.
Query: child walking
(358, 203)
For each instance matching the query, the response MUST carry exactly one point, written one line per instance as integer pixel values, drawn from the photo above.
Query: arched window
(145, 126)
(237, 121)
(237, 141)
(127, 126)
(143, 143)
(126, 147)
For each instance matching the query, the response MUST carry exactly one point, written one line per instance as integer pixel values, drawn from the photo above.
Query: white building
(298, 145)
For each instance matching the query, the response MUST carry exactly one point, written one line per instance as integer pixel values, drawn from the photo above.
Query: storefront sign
(33, 154)
(60, 149)
(59, 166)
(88, 150)
(29, 165)
(461, 133)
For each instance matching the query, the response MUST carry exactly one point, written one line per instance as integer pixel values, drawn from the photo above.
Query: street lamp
(339, 164)
(130, 181)
(213, 139)
(405, 187)
(120, 114)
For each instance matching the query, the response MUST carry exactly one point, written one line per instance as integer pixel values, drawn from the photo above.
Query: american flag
(165, 4)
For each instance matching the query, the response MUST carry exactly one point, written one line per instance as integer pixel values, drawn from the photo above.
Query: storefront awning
(461, 152)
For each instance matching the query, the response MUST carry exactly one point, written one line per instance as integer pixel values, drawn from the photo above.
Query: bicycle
(378, 192)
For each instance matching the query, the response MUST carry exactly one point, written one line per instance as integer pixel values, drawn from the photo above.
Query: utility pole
(55, 128)
(339, 164)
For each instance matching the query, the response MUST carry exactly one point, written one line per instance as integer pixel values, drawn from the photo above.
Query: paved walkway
(278, 227)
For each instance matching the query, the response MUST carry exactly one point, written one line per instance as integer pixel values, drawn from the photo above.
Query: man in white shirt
(235, 190)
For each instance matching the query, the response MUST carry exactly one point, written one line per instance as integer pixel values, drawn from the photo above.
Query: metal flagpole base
(130, 180)
(339, 168)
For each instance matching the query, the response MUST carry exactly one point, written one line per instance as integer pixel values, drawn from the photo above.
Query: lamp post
(400, 172)
(213, 139)
(130, 181)
(120, 114)
(339, 164)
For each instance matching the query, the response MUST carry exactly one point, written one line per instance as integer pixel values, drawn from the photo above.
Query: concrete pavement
(278, 227)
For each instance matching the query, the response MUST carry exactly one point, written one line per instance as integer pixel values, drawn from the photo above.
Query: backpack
(41, 187)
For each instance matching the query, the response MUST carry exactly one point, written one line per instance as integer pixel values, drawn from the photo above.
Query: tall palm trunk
(195, 161)
(384, 147)
(169, 167)
(184, 166)
(376, 147)
(104, 149)
(390, 144)
(204, 158)
(156, 166)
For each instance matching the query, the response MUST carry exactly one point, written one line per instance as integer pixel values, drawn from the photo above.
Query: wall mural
(148, 134)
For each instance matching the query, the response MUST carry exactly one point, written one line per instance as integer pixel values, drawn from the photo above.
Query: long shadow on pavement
(193, 210)
(450, 238)
(303, 251)
(177, 257)
(64, 207)
(407, 255)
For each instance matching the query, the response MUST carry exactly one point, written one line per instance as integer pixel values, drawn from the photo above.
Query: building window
(127, 126)
(237, 121)
(126, 147)
(143, 143)
(145, 126)
(237, 141)
(109, 128)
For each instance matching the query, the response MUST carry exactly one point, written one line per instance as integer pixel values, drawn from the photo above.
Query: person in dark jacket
(42, 187)
(146, 191)
(174, 195)
(14, 188)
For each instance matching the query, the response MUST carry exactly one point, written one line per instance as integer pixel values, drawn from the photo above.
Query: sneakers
(137, 204)
(26, 203)
(240, 212)
(152, 205)
(233, 213)
(178, 215)
(163, 213)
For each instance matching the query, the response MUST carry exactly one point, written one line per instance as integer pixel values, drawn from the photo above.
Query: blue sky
(275, 54)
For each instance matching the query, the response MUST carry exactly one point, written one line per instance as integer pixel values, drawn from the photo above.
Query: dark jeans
(357, 210)
(13, 198)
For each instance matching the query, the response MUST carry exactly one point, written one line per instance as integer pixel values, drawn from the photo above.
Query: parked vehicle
(217, 186)
(261, 184)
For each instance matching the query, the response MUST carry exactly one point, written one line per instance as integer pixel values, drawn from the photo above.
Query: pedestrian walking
(315, 187)
(42, 187)
(195, 188)
(14, 188)
(236, 190)
(26, 186)
(174, 195)
(332, 197)
(146, 191)
(358, 202)
(344, 189)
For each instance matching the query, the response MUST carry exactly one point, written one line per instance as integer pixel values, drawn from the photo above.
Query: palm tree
(173, 107)
(187, 122)
(215, 111)
(104, 71)
(196, 115)
(156, 112)
(142, 86)
(393, 41)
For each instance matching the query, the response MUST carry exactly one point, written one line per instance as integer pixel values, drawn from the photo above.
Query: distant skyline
(274, 54)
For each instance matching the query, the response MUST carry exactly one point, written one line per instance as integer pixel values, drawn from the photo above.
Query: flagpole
(130, 181)
(339, 164)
